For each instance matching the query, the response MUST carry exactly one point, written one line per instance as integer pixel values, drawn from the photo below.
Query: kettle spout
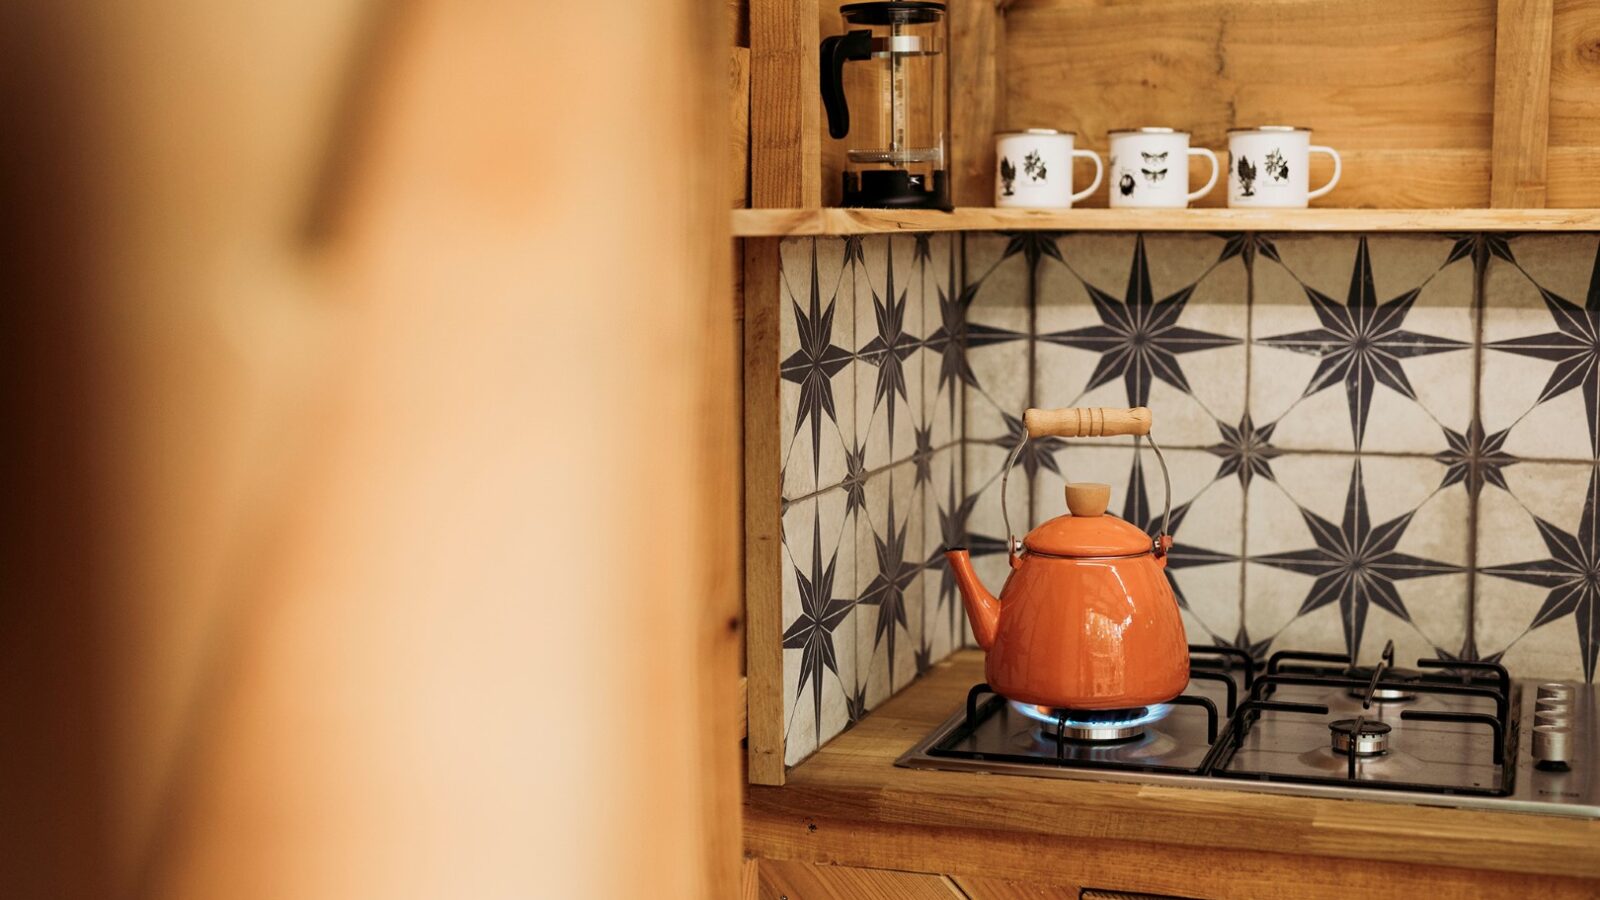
(983, 609)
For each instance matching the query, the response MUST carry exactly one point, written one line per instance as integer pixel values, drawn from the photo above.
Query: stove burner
(1372, 738)
(1093, 725)
(1383, 695)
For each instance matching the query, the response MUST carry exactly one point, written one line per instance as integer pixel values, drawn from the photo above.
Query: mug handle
(1338, 167)
(1216, 170)
(1099, 172)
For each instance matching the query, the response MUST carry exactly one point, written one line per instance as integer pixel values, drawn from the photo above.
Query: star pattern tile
(821, 614)
(1574, 347)
(815, 364)
(1361, 342)
(1355, 563)
(888, 589)
(890, 347)
(1571, 572)
(1139, 338)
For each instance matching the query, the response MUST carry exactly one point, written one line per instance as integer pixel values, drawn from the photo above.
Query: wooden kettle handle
(1086, 422)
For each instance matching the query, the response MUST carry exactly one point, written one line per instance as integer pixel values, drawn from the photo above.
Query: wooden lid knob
(1088, 499)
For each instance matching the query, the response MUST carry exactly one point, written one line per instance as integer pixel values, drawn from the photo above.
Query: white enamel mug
(1150, 168)
(1269, 167)
(1033, 168)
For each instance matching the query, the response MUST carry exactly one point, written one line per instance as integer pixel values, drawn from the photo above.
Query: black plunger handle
(836, 50)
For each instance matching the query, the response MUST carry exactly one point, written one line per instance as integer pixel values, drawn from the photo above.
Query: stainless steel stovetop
(1423, 736)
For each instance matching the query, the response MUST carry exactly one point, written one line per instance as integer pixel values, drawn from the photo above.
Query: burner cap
(1371, 740)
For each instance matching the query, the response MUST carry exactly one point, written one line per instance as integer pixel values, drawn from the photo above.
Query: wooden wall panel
(785, 108)
(792, 880)
(977, 97)
(1409, 104)
(1573, 159)
(1521, 103)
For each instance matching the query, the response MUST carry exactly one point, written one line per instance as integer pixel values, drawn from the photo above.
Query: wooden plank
(890, 814)
(785, 111)
(763, 524)
(1415, 83)
(1004, 865)
(780, 879)
(737, 13)
(977, 52)
(776, 222)
(1521, 102)
(750, 880)
(739, 126)
(1573, 160)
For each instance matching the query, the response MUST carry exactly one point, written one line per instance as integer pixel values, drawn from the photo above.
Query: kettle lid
(1088, 531)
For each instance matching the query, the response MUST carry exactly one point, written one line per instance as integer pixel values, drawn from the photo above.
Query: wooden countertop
(850, 805)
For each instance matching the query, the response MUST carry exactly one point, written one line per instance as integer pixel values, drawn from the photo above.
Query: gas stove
(1444, 733)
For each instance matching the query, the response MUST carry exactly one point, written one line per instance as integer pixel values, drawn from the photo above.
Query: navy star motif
(1241, 641)
(820, 614)
(1572, 573)
(1355, 563)
(1475, 458)
(1138, 337)
(890, 348)
(955, 335)
(887, 590)
(1574, 347)
(1361, 342)
(814, 365)
(1245, 450)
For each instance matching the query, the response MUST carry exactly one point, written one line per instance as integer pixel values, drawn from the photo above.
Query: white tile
(888, 290)
(1442, 309)
(808, 465)
(804, 524)
(999, 285)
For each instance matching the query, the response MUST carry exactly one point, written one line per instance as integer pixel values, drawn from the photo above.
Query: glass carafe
(884, 86)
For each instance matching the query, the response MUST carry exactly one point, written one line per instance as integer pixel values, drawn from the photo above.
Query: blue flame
(1095, 718)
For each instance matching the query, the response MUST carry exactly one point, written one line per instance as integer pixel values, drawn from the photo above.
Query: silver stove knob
(1554, 690)
(1552, 746)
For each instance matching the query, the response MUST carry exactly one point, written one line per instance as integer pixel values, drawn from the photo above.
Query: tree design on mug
(1033, 164)
(1247, 177)
(1008, 177)
(1277, 166)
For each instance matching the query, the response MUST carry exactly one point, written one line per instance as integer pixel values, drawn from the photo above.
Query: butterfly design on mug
(1152, 174)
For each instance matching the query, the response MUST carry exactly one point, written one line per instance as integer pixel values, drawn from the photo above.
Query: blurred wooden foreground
(371, 492)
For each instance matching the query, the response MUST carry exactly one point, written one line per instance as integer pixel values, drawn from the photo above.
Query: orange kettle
(1086, 619)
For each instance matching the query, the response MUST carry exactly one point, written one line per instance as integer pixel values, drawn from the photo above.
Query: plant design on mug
(1277, 166)
(1247, 177)
(1033, 165)
(1008, 177)
(1154, 175)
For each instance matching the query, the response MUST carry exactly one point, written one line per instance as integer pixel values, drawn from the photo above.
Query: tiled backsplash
(1370, 437)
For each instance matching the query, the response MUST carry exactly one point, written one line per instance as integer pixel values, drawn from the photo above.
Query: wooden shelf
(783, 222)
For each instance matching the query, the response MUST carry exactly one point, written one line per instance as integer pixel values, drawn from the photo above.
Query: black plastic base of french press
(896, 189)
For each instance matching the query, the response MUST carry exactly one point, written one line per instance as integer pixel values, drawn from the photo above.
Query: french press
(890, 102)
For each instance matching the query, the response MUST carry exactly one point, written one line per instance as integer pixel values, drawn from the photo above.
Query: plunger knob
(1088, 499)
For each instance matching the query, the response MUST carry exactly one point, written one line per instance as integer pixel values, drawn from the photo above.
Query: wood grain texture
(763, 525)
(977, 97)
(778, 222)
(1087, 421)
(1400, 81)
(739, 127)
(1521, 102)
(1002, 889)
(1573, 160)
(785, 110)
(1162, 839)
(795, 880)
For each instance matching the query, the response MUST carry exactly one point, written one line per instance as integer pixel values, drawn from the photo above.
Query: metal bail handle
(1072, 422)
